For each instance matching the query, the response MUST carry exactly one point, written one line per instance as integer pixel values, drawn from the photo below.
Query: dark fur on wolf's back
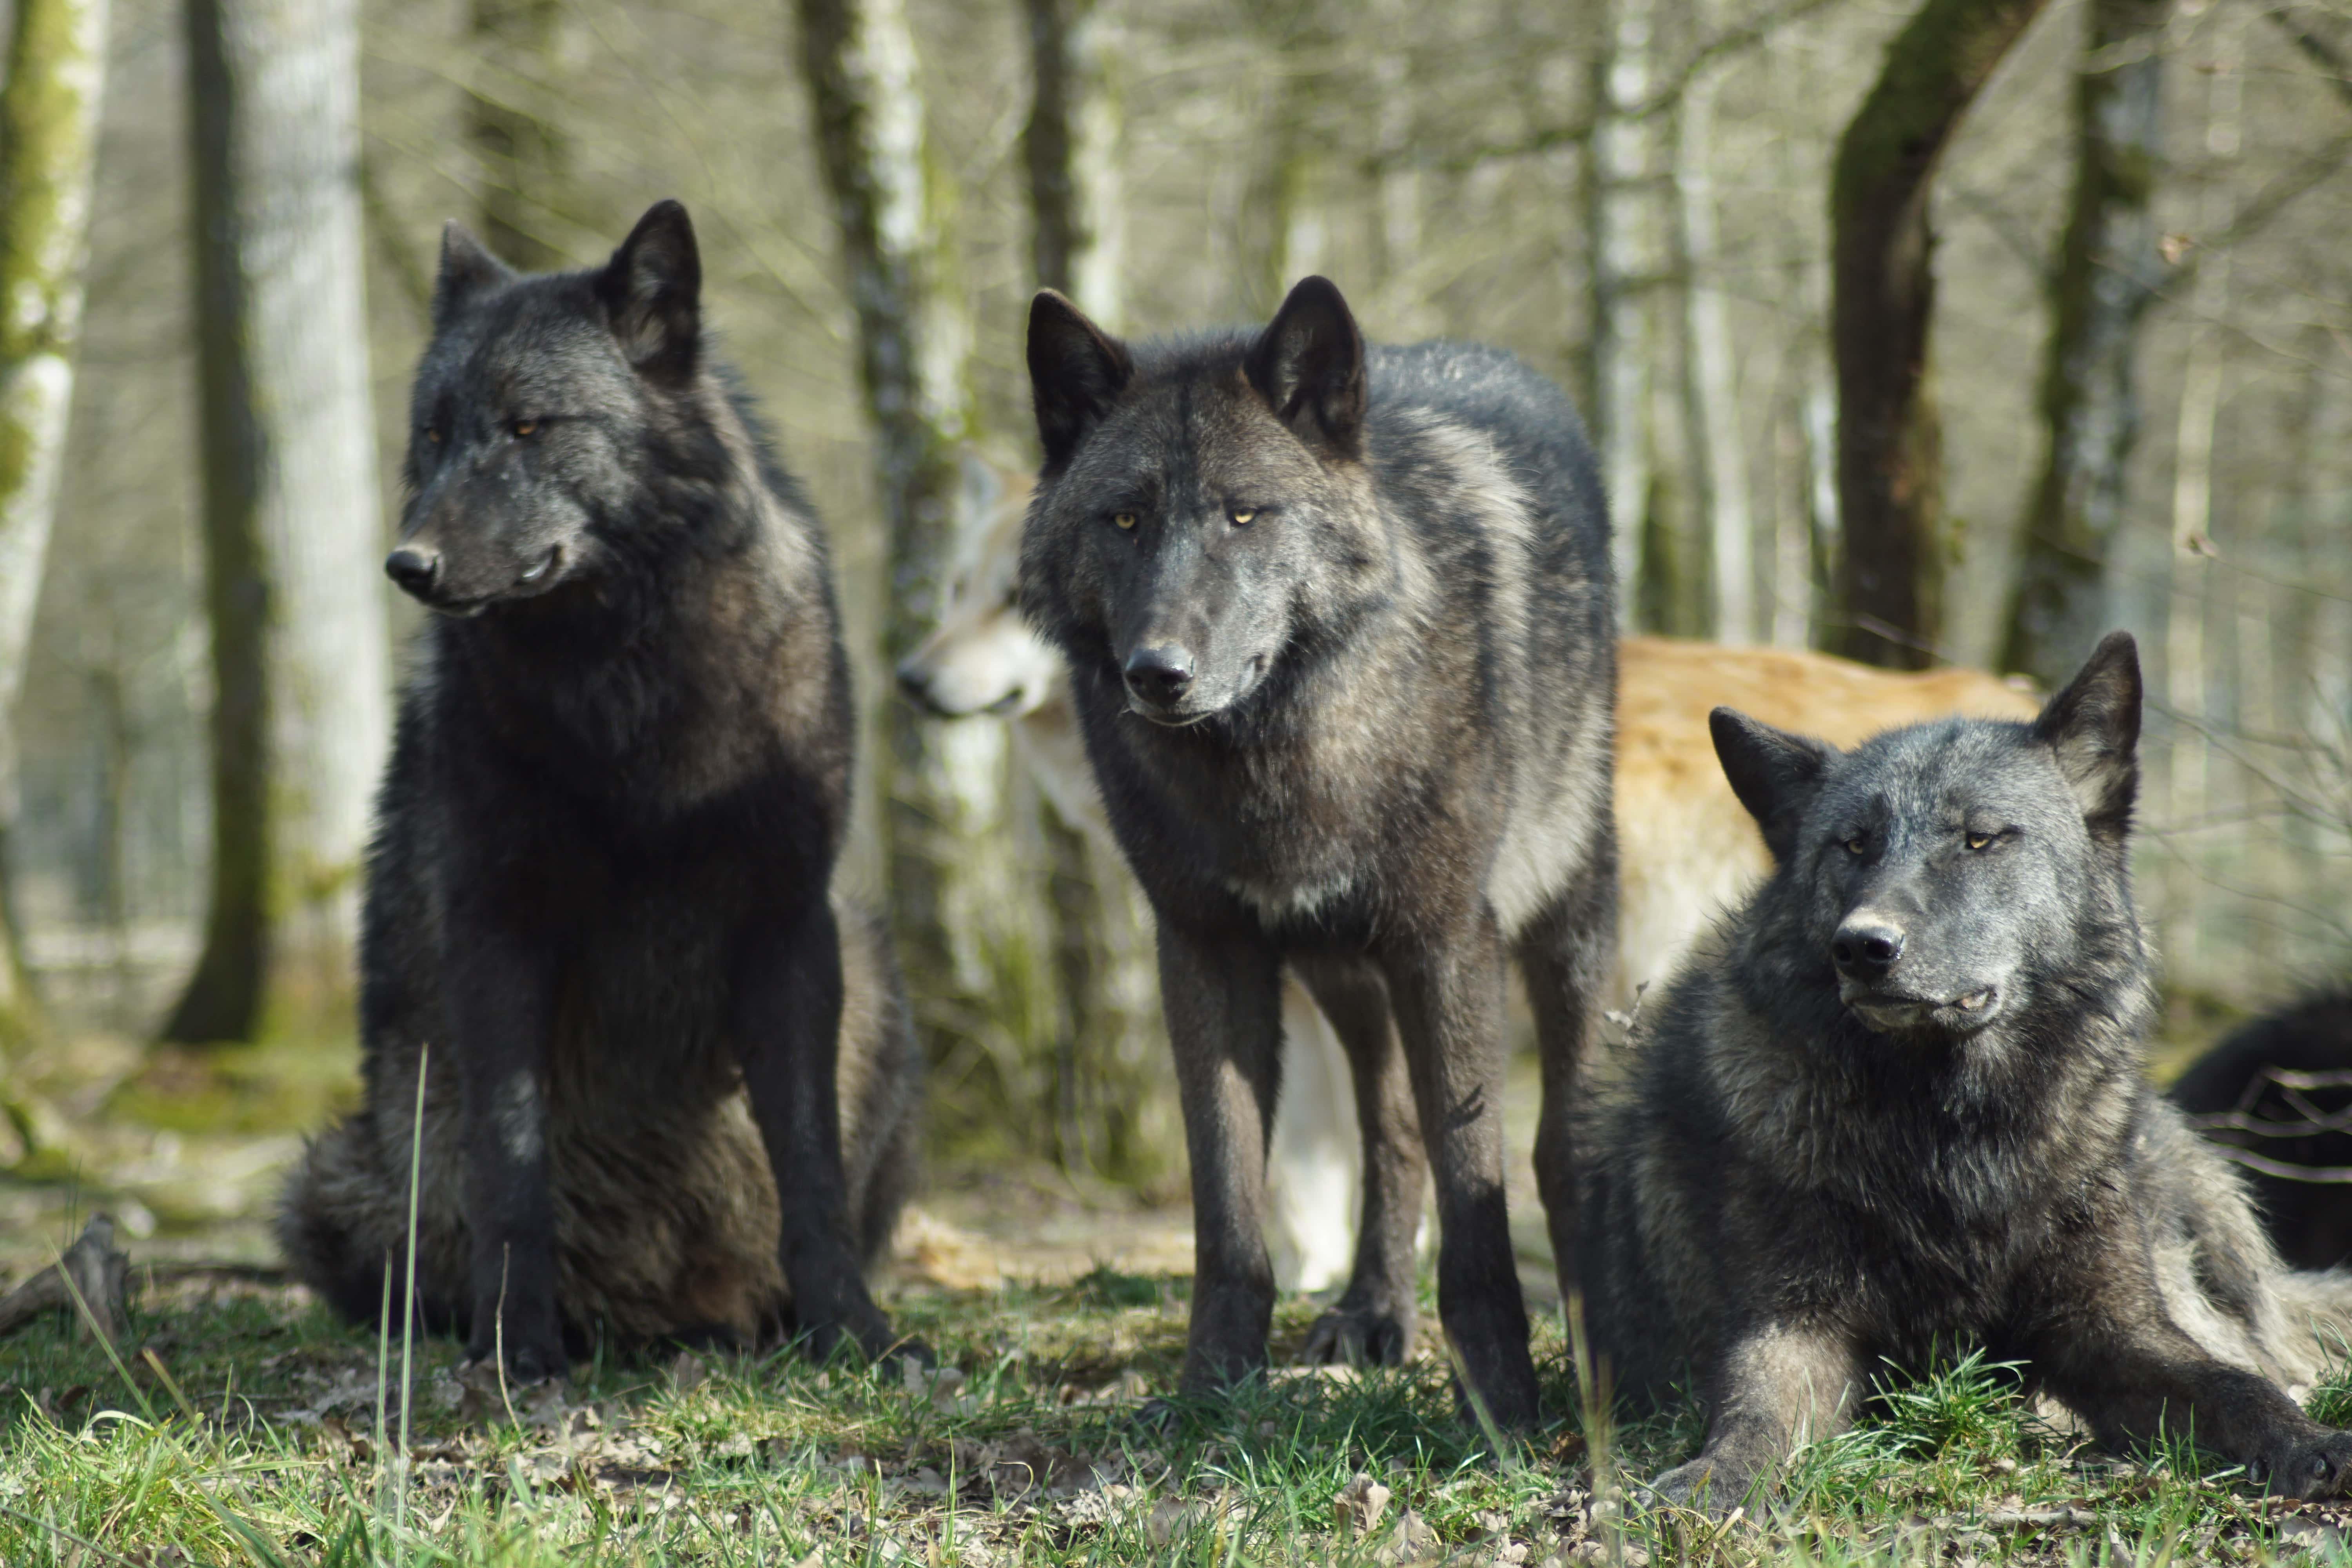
(599, 885)
(2310, 1222)
(1897, 1105)
(1340, 631)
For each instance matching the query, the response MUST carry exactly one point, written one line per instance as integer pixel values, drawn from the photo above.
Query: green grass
(257, 1443)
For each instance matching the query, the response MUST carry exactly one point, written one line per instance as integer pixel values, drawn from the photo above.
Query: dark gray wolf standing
(671, 1088)
(1897, 1102)
(2231, 1093)
(1338, 625)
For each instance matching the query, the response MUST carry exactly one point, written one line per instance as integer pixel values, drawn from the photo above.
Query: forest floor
(241, 1424)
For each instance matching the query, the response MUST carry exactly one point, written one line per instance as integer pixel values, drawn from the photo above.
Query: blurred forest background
(1921, 330)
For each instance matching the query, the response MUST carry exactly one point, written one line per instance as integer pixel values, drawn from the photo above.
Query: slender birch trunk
(2188, 676)
(1711, 379)
(293, 530)
(1890, 462)
(1625, 236)
(960, 908)
(2107, 274)
(1071, 145)
(1110, 1058)
(48, 154)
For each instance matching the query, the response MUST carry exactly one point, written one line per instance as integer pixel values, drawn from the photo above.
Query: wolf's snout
(914, 682)
(1868, 946)
(1158, 675)
(414, 569)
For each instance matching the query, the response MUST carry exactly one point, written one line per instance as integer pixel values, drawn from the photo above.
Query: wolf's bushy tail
(332, 1220)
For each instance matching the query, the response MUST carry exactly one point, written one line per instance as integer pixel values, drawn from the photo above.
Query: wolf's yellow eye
(1855, 846)
(1978, 840)
(1124, 519)
(1241, 515)
(526, 427)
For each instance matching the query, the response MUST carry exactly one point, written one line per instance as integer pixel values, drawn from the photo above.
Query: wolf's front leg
(1372, 1321)
(2126, 1369)
(1778, 1385)
(786, 1028)
(1222, 996)
(501, 990)
(1446, 986)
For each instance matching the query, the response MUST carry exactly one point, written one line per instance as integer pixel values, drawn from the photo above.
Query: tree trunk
(2107, 273)
(1625, 235)
(1711, 379)
(48, 151)
(1108, 1058)
(2189, 609)
(293, 534)
(1071, 145)
(48, 145)
(946, 848)
(1890, 464)
(524, 154)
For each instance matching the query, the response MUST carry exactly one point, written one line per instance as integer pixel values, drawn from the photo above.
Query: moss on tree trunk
(1889, 446)
(2107, 273)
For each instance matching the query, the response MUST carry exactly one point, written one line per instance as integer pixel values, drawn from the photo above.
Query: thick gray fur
(1340, 631)
(1896, 1106)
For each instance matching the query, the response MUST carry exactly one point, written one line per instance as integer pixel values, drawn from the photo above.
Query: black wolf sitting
(1897, 1103)
(670, 1088)
(1340, 626)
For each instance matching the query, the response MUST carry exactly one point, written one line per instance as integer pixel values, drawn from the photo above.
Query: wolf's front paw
(525, 1364)
(530, 1356)
(2312, 1465)
(1358, 1336)
(1699, 1486)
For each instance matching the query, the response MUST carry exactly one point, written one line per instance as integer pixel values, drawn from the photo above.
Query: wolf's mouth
(1904, 1009)
(1167, 721)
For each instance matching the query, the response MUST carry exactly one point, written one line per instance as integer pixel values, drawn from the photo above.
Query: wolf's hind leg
(1565, 957)
(2132, 1373)
(1447, 987)
(1372, 1323)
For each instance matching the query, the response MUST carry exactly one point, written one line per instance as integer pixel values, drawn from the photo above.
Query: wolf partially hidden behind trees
(1339, 627)
(1897, 1103)
(670, 1086)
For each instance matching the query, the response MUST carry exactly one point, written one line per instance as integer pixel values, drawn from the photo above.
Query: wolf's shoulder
(1473, 381)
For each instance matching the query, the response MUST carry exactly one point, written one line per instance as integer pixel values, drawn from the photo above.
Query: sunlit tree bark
(48, 152)
(1890, 459)
(1625, 238)
(970, 931)
(2107, 274)
(293, 534)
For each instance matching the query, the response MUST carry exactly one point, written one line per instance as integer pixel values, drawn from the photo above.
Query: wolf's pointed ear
(467, 268)
(2093, 728)
(1308, 365)
(652, 292)
(1076, 370)
(1775, 774)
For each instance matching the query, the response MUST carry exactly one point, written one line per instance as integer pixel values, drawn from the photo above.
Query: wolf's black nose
(1866, 945)
(1158, 675)
(914, 681)
(413, 569)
